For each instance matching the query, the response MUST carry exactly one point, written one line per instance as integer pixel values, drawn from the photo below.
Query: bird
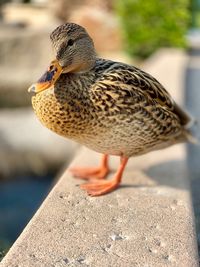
(110, 107)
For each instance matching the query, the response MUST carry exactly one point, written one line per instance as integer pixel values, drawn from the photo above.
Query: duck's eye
(70, 42)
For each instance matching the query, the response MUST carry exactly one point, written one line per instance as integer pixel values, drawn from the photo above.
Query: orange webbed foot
(98, 188)
(89, 173)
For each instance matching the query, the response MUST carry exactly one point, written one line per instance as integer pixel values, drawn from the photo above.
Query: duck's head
(74, 50)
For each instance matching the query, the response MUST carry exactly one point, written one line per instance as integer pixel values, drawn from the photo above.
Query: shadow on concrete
(171, 173)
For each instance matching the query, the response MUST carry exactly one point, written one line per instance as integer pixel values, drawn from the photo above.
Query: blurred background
(125, 30)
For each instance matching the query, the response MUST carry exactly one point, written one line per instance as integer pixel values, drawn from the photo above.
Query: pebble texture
(148, 221)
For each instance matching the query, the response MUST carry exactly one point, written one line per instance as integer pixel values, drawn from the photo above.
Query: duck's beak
(48, 79)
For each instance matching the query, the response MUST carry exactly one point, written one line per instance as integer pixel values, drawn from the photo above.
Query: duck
(110, 107)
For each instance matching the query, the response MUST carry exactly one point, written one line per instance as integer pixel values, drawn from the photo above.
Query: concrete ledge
(148, 221)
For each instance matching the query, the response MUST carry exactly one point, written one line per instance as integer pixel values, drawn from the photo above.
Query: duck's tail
(188, 126)
(188, 132)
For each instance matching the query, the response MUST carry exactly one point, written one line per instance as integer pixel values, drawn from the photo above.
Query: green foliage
(150, 24)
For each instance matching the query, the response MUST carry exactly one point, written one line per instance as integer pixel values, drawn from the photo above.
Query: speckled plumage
(113, 109)
(110, 107)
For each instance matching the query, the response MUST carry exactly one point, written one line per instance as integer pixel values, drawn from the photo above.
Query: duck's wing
(159, 94)
(135, 85)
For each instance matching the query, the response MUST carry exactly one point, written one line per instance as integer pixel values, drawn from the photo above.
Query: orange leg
(98, 188)
(89, 173)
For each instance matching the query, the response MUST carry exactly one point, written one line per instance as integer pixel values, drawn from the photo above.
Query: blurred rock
(25, 50)
(62, 9)
(104, 4)
(24, 55)
(28, 148)
(101, 25)
(34, 15)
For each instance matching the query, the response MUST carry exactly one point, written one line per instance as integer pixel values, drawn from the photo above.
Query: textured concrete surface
(148, 221)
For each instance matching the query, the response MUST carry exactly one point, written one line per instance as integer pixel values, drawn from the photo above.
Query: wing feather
(134, 82)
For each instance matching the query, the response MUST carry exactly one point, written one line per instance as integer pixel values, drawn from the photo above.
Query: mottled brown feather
(112, 108)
